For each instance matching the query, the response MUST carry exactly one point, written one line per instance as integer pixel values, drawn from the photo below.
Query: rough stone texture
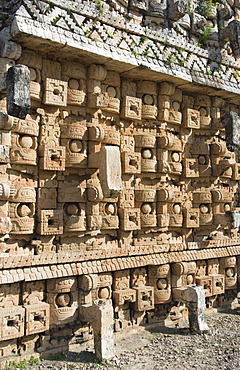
(18, 91)
(120, 183)
(196, 309)
(100, 315)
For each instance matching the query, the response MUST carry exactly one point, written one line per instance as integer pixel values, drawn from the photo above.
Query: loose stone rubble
(119, 168)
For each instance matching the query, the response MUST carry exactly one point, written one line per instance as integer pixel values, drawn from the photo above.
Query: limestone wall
(120, 182)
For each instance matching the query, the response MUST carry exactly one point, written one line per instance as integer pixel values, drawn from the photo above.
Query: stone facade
(119, 137)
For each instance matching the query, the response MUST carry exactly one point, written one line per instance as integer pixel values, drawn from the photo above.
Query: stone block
(131, 108)
(145, 141)
(231, 122)
(191, 218)
(23, 149)
(97, 72)
(94, 222)
(124, 296)
(74, 216)
(191, 118)
(47, 198)
(144, 298)
(110, 171)
(18, 91)
(163, 220)
(77, 96)
(11, 322)
(175, 220)
(162, 286)
(207, 284)
(177, 10)
(5, 225)
(8, 348)
(236, 171)
(63, 307)
(23, 194)
(55, 92)
(76, 153)
(4, 154)
(190, 167)
(100, 315)
(131, 162)
(33, 292)
(175, 117)
(9, 295)
(37, 318)
(130, 219)
(218, 284)
(53, 158)
(196, 309)
(50, 222)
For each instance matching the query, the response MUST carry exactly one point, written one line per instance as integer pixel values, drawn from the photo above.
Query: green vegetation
(109, 34)
(20, 365)
(174, 57)
(236, 75)
(203, 38)
(206, 7)
(58, 357)
(102, 362)
(99, 6)
(55, 20)
(142, 40)
(23, 364)
(33, 361)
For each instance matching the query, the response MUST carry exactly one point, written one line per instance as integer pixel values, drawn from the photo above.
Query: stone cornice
(111, 264)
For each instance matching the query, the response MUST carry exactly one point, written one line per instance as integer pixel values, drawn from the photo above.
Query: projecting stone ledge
(194, 297)
(100, 316)
(18, 91)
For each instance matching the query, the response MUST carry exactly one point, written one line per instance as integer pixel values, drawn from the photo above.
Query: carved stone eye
(111, 91)
(203, 112)
(202, 159)
(189, 279)
(24, 210)
(26, 141)
(162, 284)
(146, 208)
(33, 74)
(75, 146)
(203, 208)
(110, 209)
(176, 105)
(148, 99)
(72, 209)
(63, 300)
(177, 208)
(73, 84)
(103, 293)
(227, 207)
(229, 272)
(175, 157)
(146, 153)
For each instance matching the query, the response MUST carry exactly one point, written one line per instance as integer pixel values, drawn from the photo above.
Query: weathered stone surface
(100, 315)
(18, 91)
(110, 171)
(231, 122)
(196, 307)
(119, 185)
